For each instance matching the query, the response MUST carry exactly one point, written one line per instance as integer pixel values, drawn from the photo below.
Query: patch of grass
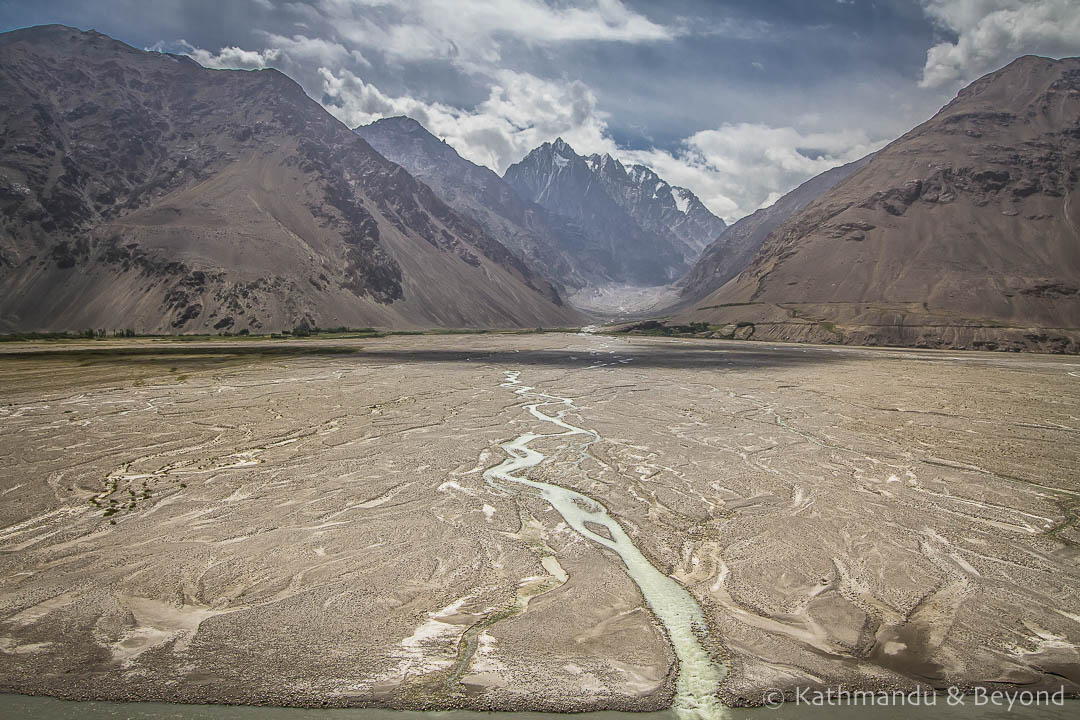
(831, 327)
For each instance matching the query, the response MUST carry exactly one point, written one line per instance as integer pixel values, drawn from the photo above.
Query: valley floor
(318, 522)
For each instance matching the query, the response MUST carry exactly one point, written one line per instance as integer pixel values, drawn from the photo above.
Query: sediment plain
(316, 522)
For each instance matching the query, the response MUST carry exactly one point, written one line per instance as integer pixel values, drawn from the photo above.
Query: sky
(738, 100)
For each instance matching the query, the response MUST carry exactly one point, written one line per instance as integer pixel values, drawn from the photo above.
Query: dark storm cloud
(738, 100)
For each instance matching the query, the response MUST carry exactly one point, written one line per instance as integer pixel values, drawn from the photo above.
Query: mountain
(622, 225)
(477, 192)
(142, 190)
(656, 206)
(726, 256)
(963, 233)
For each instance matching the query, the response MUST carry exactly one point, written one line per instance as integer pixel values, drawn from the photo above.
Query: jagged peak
(684, 199)
(685, 193)
(642, 174)
(604, 163)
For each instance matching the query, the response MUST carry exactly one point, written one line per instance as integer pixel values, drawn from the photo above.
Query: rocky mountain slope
(726, 256)
(659, 208)
(963, 233)
(477, 192)
(622, 225)
(141, 190)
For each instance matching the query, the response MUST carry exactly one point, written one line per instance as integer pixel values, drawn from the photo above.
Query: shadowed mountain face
(733, 250)
(142, 190)
(665, 211)
(965, 232)
(623, 225)
(478, 193)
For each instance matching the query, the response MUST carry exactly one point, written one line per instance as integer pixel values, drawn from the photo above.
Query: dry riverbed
(318, 522)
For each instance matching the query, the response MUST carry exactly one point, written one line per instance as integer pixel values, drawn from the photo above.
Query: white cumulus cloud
(285, 53)
(474, 30)
(521, 112)
(232, 58)
(734, 168)
(990, 33)
(738, 168)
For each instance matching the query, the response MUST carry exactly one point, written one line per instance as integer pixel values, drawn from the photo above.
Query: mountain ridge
(141, 189)
(725, 257)
(961, 233)
(477, 192)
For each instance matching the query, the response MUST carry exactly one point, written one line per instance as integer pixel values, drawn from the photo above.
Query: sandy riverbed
(309, 523)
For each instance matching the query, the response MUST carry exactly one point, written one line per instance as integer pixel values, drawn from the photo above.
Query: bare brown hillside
(141, 190)
(962, 233)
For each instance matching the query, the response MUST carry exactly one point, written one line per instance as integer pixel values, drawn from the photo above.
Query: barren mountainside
(965, 232)
(733, 250)
(141, 190)
(477, 192)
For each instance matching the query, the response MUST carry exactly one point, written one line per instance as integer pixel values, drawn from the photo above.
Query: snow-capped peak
(644, 176)
(682, 198)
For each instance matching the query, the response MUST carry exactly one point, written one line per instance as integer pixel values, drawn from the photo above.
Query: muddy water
(698, 676)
